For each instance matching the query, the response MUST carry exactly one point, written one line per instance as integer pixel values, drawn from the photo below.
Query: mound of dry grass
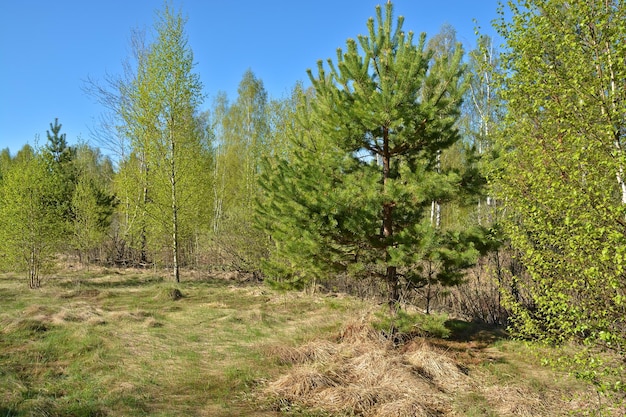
(362, 374)
(407, 407)
(318, 351)
(445, 372)
(302, 383)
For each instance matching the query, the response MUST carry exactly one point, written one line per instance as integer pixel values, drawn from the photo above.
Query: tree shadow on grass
(481, 333)
(7, 412)
(470, 343)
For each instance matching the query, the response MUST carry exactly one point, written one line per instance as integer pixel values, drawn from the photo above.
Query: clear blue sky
(48, 48)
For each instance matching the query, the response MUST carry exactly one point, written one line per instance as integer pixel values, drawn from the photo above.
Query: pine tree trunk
(391, 275)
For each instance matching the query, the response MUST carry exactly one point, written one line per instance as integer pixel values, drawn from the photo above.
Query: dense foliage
(31, 220)
(562, 176)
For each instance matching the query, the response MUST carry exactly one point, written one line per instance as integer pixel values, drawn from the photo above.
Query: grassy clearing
(119, 344)
(114, 343)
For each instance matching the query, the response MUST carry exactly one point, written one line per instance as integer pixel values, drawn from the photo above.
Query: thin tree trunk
(617, 142)
(143, 260)
(429, 287)
(435, 222)
(484, 115)
(174, 209)
(609, 106)
(31, 269)
(391, 273)
(218, 191)
(435, 208)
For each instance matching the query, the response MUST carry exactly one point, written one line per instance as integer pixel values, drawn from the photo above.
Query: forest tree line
(409, 168)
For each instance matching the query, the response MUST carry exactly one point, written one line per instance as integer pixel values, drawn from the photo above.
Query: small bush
(433, 325)
(175, 294)
(168, 293)
(405, 323)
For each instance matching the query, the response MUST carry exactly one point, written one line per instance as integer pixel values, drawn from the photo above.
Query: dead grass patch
(351, 398)
(79, 312)
(41, 318)
(84, 293)
(301, 384)
(363, 374)
(408, 407)
(27, 324)
(359, 373)
(448, 374)
(515, 400)
(360, 331)
(317, 351)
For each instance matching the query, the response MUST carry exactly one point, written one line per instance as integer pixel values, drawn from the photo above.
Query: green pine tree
(60, 157)
(354, 193)
(57, 146)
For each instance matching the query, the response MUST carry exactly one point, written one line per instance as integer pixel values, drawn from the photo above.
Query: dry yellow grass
(360, 373)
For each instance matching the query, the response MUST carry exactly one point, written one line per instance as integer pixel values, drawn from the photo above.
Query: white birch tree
(31, 224)
(159, 110)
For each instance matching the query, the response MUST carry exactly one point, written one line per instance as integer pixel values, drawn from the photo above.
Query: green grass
(117, 343)
(412, 324)
(474, 405)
